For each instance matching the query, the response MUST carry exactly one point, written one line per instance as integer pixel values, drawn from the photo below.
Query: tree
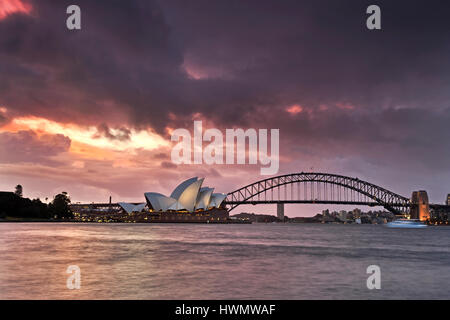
(12, 205)
(59, 207)
(19, 190)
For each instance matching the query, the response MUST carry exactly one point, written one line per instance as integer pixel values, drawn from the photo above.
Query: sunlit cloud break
(9, 7)
(91, 135)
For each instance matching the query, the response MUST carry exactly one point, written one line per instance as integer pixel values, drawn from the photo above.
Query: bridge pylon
(280, 211)
(420, 206)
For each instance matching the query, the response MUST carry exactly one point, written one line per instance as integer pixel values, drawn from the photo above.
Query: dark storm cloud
(129, 64)
(120, 61)
(316, 52)
(122, 134)
(414, 139)
(269, 55)
(3, 119)
(254, 52)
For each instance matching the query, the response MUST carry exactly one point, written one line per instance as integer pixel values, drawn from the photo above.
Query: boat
(406, 223)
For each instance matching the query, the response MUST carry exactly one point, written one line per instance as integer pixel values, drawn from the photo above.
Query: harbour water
(257, 261)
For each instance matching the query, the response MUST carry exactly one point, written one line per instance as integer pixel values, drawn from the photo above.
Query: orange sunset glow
(8, 7)
(294, 109)
(88, 136)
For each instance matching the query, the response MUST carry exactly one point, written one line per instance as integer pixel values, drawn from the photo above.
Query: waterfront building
(132, 207)
(357, 213)
(342, 215)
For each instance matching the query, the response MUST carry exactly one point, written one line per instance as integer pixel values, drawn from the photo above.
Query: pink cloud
(8, 7)
(29, 147)
(294, 109)
(345, 106)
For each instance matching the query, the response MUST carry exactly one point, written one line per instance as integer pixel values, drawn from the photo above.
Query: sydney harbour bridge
(325, 188)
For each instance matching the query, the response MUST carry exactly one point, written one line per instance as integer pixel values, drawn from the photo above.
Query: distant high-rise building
(343, 215)
(448, 199)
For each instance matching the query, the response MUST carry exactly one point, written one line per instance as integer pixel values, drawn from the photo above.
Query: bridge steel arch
(371, 194)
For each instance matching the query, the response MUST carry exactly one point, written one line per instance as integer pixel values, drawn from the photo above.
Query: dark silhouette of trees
(19, 191)
(13, 205)
(59, 207)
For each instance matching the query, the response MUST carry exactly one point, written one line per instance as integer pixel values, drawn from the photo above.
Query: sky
(91, 111)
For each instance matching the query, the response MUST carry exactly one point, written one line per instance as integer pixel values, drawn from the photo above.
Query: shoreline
(124, 222)
(187, 222)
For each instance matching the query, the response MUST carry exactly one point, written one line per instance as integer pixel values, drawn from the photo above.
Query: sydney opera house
(188, 196)
(188, 199)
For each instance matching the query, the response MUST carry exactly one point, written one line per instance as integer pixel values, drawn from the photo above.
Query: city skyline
(90, 111)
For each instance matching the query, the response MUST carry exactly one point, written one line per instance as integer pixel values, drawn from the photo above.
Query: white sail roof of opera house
(159, 201)
(176, 193)
(131, 207)
(188, 195)
(203, 198)
(217, 199)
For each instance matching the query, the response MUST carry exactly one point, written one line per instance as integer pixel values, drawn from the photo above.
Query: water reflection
(122, 261)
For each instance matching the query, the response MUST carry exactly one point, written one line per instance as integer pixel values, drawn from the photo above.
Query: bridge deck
(254, 202)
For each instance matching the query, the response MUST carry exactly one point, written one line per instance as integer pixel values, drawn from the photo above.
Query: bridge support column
(420, 205)
(280, 211)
